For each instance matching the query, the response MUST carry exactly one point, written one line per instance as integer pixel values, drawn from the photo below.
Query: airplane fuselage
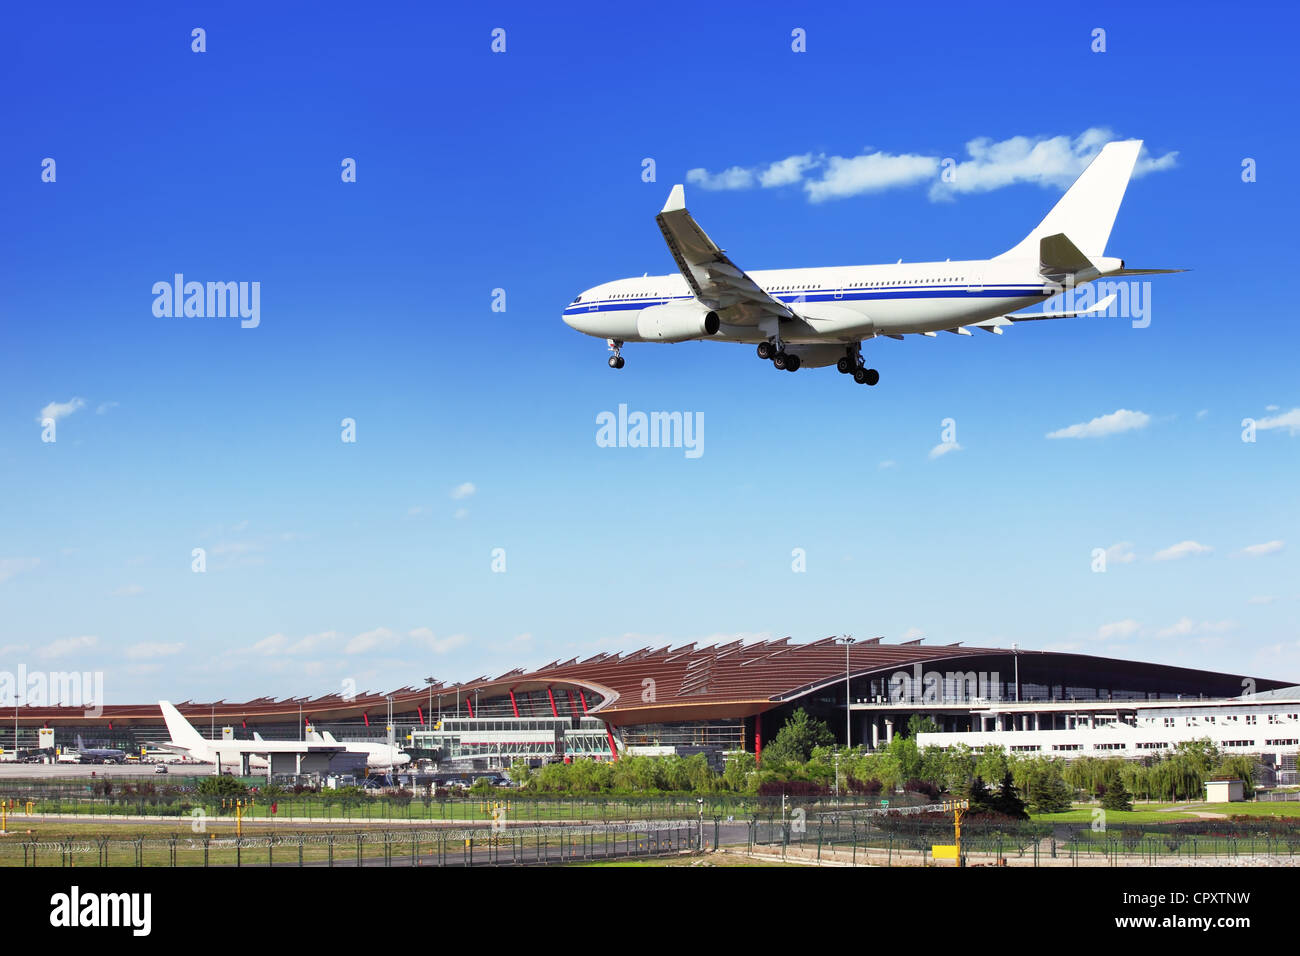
(883, 299)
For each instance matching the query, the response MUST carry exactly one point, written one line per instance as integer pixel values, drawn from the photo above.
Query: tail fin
(80, 745)
(180, 730)
(1087, 211)
(328, 737)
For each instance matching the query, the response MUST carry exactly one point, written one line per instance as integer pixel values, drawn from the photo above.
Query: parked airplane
(821, 316)
(379, 756)
(99, 754)
(232, 754)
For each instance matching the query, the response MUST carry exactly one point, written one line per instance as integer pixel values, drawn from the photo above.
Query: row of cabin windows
(806, 288)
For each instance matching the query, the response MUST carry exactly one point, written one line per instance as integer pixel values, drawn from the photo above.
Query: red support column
(512, 702)
(573, 704)
(366, 718)
(419, 711)
(613, 749)
(469, 705)
(551, 697)
(758, 739)
(584, 702)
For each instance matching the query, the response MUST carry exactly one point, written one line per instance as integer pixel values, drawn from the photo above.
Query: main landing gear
(775, 353)
(616, 346)
(851, 364)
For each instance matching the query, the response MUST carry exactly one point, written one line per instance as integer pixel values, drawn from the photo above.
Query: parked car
(161, 768)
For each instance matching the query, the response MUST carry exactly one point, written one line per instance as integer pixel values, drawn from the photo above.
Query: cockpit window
(578, 299)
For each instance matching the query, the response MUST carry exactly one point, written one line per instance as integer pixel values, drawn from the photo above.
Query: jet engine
(676, 322)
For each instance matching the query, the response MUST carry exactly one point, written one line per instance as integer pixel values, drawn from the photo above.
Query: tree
(1048, 791)
(797, 738)
(1116, 796)
(1008, 801)
(978, 796)
(916, 724)
(520, 773)
(221, 786)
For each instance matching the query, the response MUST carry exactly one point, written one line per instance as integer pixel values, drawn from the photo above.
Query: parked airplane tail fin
(80, 745)
(1087, 211)
(181, 730)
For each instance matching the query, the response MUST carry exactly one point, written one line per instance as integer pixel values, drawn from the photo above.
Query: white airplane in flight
(821, 316)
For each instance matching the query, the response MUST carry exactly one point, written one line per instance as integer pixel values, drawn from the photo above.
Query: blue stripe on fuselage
(948, 292)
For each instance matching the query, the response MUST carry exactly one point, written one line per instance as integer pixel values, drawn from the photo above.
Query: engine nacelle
(676, 322)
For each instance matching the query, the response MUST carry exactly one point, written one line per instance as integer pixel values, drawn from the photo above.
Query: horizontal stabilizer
(1143, 272)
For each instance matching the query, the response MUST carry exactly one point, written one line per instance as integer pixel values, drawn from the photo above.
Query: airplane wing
(716, 281)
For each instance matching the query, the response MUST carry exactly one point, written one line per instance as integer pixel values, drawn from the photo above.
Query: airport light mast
(848, 696)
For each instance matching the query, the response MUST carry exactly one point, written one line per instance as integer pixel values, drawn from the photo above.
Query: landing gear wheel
(860, 376)
(616, 361)
(872, 376)
(781, 360)
(792, 363)
(844, 366)
(766, 350)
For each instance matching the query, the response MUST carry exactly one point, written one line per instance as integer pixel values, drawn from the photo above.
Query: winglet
(676, 199)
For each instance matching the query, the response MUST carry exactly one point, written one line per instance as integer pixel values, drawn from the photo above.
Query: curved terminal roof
(665, 684)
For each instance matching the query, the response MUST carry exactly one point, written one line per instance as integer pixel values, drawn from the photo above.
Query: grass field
(1172, 812)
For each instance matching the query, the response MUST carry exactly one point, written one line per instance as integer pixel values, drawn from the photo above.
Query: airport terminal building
(731, 697)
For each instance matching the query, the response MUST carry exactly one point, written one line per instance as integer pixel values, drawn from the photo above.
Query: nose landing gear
(616, 346)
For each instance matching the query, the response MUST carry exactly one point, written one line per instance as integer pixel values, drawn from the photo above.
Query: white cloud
(887, 464)
(912, 633)
(943, 448)
(57, 410)
(129, 590)
(1118, 630)
(1268, 547)
(1049, 161)
(1182, 549)
(873, 172)
(1121, 420)
(369, 640)
(416, 511)
(1121, 553)
(1186, 627)
(153, 649)
(439, 645)
(460, 514)
(1202, 413)
(463, 490)
(105, 407)
(1288, 420)
(11, 566)
(785, 171)
(68, 645)
(278, 644)
(1053, 162)
(737, 177)
(1262, 599)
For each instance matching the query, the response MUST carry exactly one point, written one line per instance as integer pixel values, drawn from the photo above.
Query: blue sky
(476, 429)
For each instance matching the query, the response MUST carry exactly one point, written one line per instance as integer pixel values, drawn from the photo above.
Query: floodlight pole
(848, 695)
